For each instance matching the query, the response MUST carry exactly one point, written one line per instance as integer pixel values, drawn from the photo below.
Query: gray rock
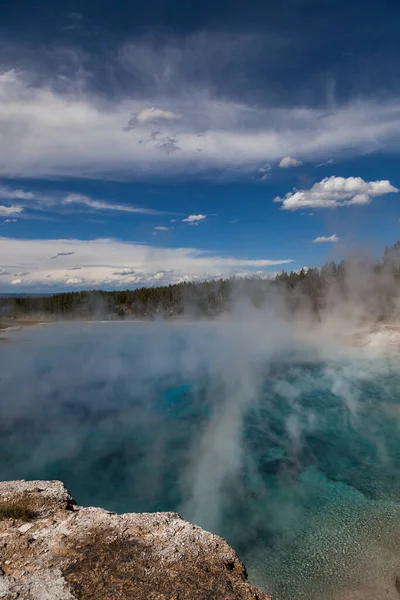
(55, 550)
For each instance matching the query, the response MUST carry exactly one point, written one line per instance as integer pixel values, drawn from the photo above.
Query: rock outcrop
(51, 549)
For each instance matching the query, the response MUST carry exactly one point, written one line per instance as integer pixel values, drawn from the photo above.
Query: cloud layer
(109, 262)
(48, 129)
(333, 192)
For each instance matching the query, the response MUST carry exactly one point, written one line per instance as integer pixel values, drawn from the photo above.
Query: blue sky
(157, 143)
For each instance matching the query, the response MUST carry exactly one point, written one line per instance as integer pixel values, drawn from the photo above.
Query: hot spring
(288, 448)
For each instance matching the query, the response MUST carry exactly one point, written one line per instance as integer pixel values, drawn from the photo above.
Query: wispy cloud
(102, 262)
(161, 228)
(8, 193)
(288, 162)
(211, 133)
(333, 192)
(264, 171)
(322, 239)
(326, 162)
(33, 200)
(63, 254)
(84, 201)
(194, 219)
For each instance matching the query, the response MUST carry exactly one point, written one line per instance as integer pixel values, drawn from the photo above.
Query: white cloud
(264, 171)
(54, 132)
(327, 162)
(363, 198)
(103, 262)
(10, 221)
(82, 200)
(161, 228)
(288, 162)
(37, 201)
(10, 210)
(148, 115)
(7, 193)
(333, 191)
(194, 219)
(322, 239)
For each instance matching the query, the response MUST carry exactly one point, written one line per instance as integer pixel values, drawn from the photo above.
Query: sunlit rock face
(53, 549)
(287, 445)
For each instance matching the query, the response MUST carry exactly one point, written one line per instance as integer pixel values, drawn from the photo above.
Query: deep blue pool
(290, 450)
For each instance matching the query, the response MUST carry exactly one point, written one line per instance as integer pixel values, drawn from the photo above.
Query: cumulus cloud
(333, 191)
(194, 219)
(322, 239)
(288, 162)
(10, 210)
(149, 115)
(115, 263)
(71, 131)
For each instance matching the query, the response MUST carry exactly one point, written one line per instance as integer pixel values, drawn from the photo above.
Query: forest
(374, 287)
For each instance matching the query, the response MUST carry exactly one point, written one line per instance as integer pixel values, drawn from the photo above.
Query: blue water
(289, 450)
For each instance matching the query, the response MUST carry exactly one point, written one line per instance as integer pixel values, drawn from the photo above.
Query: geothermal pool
(288, 448)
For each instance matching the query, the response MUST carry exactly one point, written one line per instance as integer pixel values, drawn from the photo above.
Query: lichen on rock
(52, 549)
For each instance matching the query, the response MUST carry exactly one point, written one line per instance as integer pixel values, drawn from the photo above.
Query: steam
(235, 368)
(264, 425)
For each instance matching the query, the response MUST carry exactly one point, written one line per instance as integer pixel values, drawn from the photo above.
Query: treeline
(200, 299)
(374, 287)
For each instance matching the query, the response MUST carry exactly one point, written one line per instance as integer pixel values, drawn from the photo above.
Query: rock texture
(51, 549)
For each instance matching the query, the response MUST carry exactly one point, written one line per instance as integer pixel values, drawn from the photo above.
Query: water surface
(290, 450)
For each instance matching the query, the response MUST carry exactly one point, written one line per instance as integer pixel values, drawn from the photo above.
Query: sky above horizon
(146, 144)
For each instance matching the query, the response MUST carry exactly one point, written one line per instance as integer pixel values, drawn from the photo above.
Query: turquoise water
(289, 450)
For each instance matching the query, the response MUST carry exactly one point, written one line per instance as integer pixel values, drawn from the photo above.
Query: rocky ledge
(52, 549)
